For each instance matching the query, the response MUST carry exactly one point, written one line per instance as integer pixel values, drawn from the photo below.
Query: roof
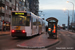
(51, 18)
(19, 11)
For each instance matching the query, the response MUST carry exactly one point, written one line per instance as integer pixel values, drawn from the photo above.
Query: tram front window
(20, 21)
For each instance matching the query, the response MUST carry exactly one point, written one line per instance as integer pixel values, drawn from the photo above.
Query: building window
(10, 0)
(17, 5)
(23, 0)
(16, 8)
(12, 9)
(6, 7)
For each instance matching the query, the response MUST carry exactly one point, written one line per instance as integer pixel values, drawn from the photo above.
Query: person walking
(46, 29)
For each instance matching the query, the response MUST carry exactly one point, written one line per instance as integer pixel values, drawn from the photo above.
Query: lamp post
(68, 19)
(73, 20)
(41, 14)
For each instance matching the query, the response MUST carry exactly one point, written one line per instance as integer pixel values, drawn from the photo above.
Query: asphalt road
(8, 42)
(67, 41)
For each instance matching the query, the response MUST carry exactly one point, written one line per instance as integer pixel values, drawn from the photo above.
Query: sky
(54, 8)
(56, 4)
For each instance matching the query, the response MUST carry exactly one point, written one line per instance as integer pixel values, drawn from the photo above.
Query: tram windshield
(20, 20)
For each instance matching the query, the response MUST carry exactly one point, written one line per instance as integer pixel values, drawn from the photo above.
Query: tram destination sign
(19, 13)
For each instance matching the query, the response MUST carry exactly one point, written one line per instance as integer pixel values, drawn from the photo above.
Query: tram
(25, 24)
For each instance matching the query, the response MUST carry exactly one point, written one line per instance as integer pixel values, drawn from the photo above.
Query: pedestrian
(46, 30)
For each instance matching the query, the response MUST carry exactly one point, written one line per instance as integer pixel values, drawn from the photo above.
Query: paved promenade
(41, 41)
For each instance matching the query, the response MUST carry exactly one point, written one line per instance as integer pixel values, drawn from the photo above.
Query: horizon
(61, 15)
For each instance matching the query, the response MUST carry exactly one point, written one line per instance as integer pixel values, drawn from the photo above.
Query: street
(37, 25)
(67, 41)
(8, 42)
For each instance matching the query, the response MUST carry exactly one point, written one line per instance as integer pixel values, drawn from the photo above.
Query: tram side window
(13, 21)
(40, 22)
(28, 21)
(34, 21)
(43, 24)
(37, 21)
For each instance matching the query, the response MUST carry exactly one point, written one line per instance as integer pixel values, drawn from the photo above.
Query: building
(6, 6)
(26, 5)
(34, 6)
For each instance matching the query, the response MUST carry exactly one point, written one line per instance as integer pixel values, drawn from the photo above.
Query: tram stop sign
(52, 27)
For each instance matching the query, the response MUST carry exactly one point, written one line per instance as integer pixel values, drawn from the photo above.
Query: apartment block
(34, 6)
(6, 6)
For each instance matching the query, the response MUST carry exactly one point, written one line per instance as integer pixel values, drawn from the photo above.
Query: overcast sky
(48, 6)
(56, 4)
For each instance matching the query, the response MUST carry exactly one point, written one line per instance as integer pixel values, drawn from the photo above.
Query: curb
(41, 47)
(4, 34)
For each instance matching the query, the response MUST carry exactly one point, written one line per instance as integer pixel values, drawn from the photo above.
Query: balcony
(13, 6)
(2, 10)
(10, 4)
(7, 0)
(6, 18)
(2, 1)
(17, 1)
(19, 4)
(2, 18)
(9, 12)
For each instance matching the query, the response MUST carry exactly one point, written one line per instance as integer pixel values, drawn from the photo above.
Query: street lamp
(68, 18)
(41, 14)
(73, 10)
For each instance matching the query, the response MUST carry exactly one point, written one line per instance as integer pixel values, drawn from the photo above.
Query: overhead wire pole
(41, 14)
(40, 11)
(73, 20)
(68, 19)
(73, 13)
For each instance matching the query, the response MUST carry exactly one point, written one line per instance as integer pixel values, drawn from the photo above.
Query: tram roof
(32, 14)
(35, 16)
(20, 11)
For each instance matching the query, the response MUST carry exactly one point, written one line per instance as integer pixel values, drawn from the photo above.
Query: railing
(10, 4)
(2, 18)
(7, 0)
(9, 12)
(19, 4)
(2, 9)
(17, 1)
(9, 19)
(6, 19)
